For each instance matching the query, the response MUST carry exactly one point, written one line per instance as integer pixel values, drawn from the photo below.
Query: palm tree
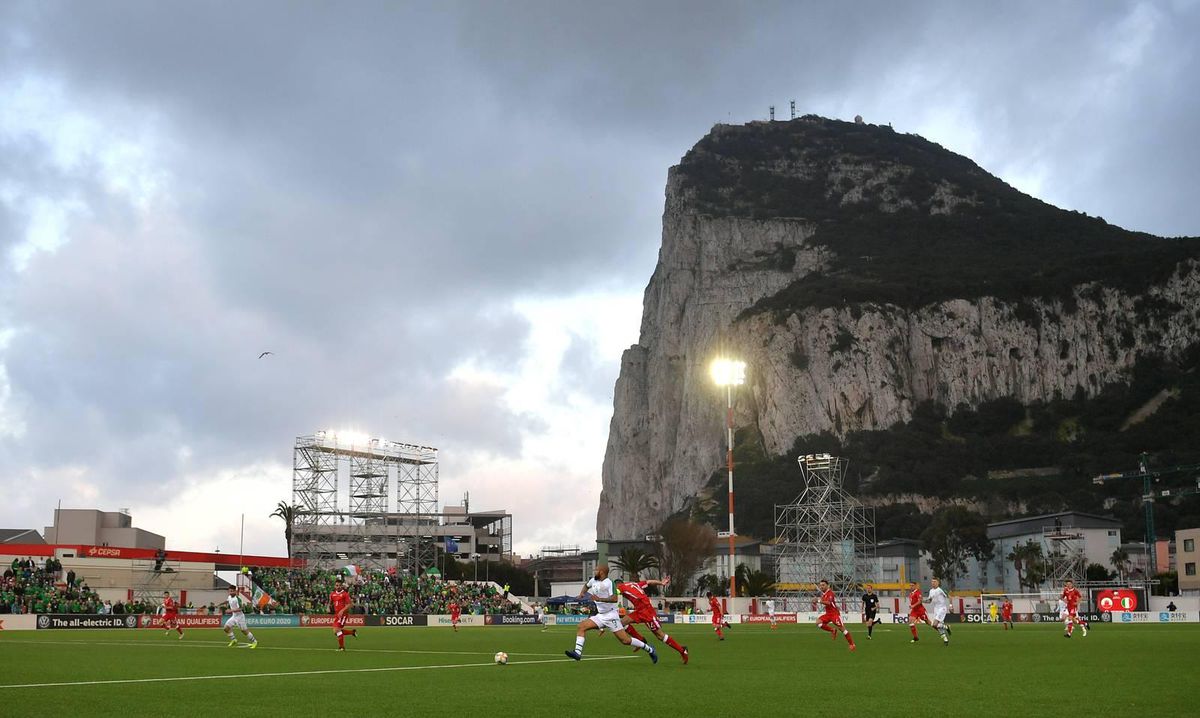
(1027, 560)
(1120, 561)
(287, 512)
(753, 583)
(634, 560)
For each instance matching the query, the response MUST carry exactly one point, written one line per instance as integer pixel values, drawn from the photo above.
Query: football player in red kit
(643, 612)
(916, 610)
(831, 620)
(455, 614)
(341, 602)
(1071, 597)
(718, 616)
(170, 612)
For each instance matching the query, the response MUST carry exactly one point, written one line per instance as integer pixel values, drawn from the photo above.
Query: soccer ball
(502, 658)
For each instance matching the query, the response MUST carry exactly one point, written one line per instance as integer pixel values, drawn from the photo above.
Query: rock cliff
(859, 272)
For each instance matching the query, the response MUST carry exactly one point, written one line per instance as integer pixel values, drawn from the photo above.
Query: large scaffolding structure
(1064, 554)
(824, 534)
(331, 528)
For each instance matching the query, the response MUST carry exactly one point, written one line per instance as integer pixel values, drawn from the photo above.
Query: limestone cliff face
(735, 257)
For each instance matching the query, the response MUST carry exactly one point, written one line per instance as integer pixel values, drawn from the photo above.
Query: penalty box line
(281, 674)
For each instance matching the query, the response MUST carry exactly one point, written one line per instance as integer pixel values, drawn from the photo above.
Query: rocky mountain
(862, 273)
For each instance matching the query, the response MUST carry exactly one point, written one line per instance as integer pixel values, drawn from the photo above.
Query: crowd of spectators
(38, 586)
(300, 591)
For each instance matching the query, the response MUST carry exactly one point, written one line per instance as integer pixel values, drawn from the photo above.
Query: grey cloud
(367, 189)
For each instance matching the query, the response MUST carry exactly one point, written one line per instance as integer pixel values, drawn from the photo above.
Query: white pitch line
(174, 644)
(121, 681)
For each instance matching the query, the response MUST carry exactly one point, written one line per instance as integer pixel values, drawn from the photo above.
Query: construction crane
(1149, 494)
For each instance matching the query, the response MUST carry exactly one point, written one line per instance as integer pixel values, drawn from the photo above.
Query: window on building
(1112, 532)
(1189, 569)
(1189, 545)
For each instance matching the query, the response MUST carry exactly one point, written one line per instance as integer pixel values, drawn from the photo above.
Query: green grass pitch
(1032, 671)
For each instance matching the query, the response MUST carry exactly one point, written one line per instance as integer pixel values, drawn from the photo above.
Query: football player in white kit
(602, 590)
(1063, 614)
(544, 616)
(940, 606)
(235, 605)
(771, 611)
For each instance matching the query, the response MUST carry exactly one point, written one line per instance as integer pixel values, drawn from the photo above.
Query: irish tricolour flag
(260, 598)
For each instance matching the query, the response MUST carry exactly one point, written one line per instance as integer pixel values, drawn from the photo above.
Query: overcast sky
(440, 217)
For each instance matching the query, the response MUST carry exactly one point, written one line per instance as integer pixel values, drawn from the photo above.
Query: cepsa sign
(1120, 599)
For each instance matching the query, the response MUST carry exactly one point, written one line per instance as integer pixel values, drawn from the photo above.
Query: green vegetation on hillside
(895, 241)
(948, 455)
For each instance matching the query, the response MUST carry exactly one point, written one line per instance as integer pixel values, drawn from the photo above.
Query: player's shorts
(870, 615)
(939, 614)
(236, 620)
(1072, 612)
(647, 616)
(170, 617)
(917, 612)
(454, 618)
(608, 621)
(831, 617)
(1006, 617)
(718, 619)
(340, 621)
(1064, 616)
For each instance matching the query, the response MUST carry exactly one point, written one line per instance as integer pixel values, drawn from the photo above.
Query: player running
(544, 617)
(916, 611)
(643, 612)
(1061, 609)
(170, 613)
(1006, 611)
(941, 606)
(770, 602)
(455, 614)
(603, 592)
(235, 606)
(831, 620)
(870, 605)
(718, 616)
(1071, 596)
(341, 602)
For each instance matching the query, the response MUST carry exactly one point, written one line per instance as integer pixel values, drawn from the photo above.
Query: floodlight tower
(729, 373)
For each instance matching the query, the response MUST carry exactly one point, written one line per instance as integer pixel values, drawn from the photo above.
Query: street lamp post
(729, 373)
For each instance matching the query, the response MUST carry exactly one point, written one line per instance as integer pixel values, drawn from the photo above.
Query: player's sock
(719, 634)
(913, 628)
(579, 645)
(672, 643)
(250, 636)
(341, 640)
(634, 632)
(825, 627)
(870, 627)
(180, 630)
(849, 638)
(353, 632)
(638, 643)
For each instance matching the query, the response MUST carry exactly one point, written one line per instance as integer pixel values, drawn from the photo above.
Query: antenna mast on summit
(793, 109)
(772, 113)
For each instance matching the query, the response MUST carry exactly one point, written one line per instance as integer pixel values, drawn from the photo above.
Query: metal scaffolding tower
(417, 504)
(332, 529)
(1064, 554)
(824, 534)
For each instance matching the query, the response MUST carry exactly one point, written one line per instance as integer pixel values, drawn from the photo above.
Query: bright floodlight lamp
(729, 373)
